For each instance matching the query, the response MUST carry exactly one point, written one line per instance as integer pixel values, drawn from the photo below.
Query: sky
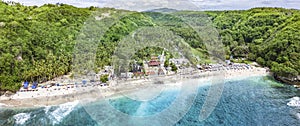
(143, 5)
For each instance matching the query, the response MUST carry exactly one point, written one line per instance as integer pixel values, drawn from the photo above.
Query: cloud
(141, 5)
(245, 4)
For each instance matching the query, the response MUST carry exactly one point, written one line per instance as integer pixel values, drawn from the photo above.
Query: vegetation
(37, 43)
(269, 36)
(173, 67)
(119, 30)
(104, 78)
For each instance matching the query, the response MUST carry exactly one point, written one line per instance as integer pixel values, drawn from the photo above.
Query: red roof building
(153, 62)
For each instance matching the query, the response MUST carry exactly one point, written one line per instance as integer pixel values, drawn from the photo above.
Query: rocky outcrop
(2, 93)
(6, 93)
(289, 80)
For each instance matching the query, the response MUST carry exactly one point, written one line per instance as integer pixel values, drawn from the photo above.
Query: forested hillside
(37, 43)
(269, 36)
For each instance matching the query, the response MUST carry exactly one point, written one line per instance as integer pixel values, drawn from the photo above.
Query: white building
(127, 75)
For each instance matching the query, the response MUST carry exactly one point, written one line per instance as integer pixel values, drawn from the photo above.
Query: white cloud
(141, 5)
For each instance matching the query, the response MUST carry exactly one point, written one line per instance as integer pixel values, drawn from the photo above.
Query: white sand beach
(60, 94)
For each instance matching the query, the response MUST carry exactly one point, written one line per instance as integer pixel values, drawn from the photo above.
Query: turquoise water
(251, 101)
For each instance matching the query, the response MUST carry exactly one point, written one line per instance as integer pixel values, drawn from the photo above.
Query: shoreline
(90, 94)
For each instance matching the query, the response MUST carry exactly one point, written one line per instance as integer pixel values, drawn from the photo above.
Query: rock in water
(8, 93)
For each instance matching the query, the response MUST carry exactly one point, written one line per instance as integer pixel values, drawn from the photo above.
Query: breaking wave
(62, 111)
(295, 101)
(21, 118)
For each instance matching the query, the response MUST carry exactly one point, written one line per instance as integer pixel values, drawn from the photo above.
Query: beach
(59, 95)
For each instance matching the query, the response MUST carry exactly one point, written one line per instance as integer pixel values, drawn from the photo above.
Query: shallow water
(251, 101)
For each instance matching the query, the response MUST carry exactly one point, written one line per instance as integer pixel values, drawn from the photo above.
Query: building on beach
(127, 75)
(154, 62)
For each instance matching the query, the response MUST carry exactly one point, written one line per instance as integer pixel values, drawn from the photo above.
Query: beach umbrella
(84, 81)
(26, 83)
(34, 85)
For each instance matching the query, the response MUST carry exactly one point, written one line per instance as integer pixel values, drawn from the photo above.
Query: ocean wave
(62, 111)
(21, 118)
(298, 116)
(46, 109)
(295, 101)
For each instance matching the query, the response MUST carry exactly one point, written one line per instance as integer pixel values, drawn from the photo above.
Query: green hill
(37, 43)
(269, 36)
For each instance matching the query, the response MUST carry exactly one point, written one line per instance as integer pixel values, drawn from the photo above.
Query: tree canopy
(269, 36)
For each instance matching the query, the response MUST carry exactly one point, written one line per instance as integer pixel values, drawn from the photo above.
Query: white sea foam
(21, 118)
(62, 111)
(46, 109)
(295, 101)
(298, 116)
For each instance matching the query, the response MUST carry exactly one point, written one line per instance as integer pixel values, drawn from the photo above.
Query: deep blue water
(248, 102)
